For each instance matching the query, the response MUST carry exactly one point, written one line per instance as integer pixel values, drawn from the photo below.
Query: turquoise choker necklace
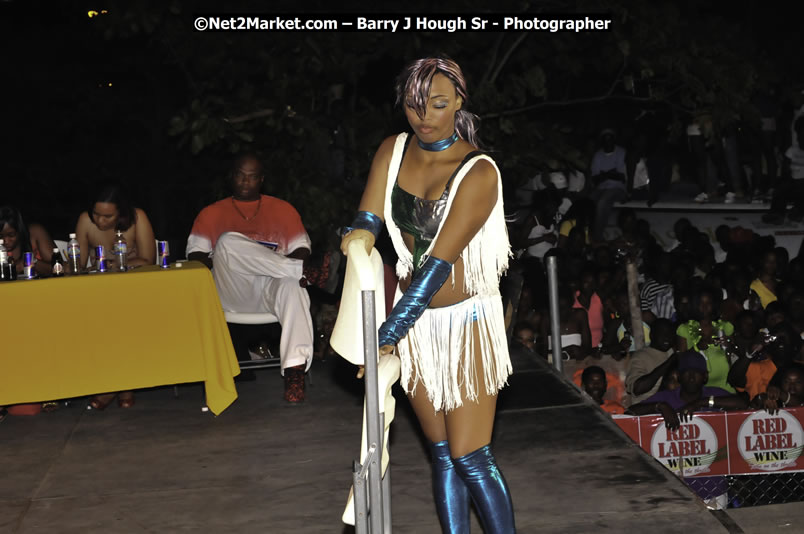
(438, 146)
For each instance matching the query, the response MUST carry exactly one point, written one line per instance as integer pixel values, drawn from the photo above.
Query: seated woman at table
(19, 238)
(109, 212)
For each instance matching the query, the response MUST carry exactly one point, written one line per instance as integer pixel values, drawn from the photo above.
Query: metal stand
(555, 320)
(372, 493)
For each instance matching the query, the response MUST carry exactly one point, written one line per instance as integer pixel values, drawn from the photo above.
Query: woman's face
(705, 306)
(526, 337)
(105, 215)
(769, 263)
(9, 236)
(439, 118)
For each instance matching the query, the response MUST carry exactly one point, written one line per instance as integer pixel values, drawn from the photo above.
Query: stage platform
(263, 466)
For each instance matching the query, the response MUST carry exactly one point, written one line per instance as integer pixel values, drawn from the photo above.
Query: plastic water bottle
(120, 250)
(74, 255)
(57, 264)
(5, 266)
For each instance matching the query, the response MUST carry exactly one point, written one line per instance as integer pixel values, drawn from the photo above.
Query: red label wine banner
(720, 443)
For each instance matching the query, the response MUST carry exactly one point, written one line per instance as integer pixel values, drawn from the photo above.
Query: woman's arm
(373, 200)
(41, 241)
(737, 374)
(82, 229)
(644, 383)
(144, 237)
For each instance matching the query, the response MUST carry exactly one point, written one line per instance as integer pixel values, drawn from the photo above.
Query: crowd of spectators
(738, 300)
(722, 316)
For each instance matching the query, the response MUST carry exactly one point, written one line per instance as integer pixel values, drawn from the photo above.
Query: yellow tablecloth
(80, 335)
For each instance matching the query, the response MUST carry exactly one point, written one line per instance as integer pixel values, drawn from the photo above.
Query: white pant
(252, 278)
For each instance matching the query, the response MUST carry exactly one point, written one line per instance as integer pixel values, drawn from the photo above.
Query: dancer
(441, 200)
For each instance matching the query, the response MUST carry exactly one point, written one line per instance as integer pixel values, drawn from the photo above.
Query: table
(81, 335)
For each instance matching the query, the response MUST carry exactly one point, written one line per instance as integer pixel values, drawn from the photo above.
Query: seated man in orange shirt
(593, 381)
(255, 245)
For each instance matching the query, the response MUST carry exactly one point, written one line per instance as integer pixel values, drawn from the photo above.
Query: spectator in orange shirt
(786, 390)
(753, 372)
(255, 245)
(593, 382)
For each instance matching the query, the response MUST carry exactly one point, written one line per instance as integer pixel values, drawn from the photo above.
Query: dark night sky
(63, 128)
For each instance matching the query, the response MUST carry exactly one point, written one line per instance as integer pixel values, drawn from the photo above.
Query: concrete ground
(264, 466)
(772, 519)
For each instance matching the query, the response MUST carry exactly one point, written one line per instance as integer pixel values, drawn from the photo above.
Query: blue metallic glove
(426, 282)
(365, 220)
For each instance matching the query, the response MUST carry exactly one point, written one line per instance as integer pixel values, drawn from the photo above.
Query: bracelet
(365, 220)
(711, 401)
(788, 399)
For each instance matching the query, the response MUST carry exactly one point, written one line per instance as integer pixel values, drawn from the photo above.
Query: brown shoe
(294, 384)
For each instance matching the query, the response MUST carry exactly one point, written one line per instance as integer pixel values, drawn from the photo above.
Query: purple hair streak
(413, 90)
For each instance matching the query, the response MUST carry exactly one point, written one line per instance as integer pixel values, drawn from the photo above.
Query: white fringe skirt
(440, 348)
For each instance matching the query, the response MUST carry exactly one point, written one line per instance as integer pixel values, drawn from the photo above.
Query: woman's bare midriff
(449, 294)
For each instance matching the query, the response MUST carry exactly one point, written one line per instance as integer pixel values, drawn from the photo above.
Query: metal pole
(386, 483)
(374, 431)
(555, 320)
(360, 499)
(634, 305)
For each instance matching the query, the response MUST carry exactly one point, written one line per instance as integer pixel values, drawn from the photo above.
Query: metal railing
(372, 491)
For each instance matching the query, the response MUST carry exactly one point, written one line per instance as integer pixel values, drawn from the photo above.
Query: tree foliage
(316, 105)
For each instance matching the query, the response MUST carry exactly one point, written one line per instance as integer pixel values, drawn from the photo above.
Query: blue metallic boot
(450, 493)
(488, 489)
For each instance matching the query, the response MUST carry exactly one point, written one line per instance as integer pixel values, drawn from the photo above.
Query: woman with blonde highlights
(441, 200)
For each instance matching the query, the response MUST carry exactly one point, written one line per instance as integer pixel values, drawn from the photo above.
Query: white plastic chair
(253, 319)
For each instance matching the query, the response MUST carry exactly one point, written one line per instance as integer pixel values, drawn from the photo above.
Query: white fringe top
(485, 259)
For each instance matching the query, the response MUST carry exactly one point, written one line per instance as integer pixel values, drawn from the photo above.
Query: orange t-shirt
(758, 376)
(269, 220)
(612, 407)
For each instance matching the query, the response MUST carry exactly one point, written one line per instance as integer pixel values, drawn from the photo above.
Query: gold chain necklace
(259, 203)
